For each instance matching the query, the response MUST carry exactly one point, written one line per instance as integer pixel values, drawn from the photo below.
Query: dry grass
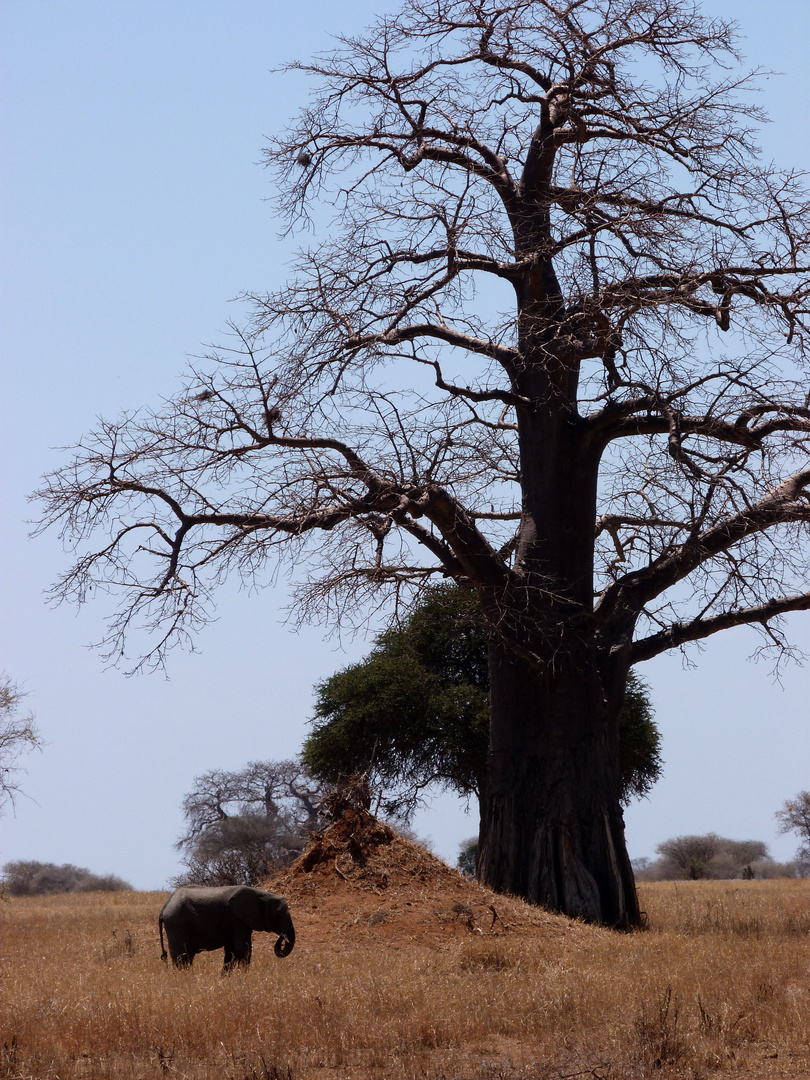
(718, 985)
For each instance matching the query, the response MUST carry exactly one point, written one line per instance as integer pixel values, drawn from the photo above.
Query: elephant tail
(164, 956)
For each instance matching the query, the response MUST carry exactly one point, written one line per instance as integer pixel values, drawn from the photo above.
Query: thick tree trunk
(554, 831)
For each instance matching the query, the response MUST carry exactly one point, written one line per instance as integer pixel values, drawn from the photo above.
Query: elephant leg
(182, 954)
(232, 962)
(238, 952)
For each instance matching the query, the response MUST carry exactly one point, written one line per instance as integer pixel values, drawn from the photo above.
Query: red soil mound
(359, 881)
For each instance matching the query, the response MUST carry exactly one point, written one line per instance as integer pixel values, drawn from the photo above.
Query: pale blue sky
(132, 213)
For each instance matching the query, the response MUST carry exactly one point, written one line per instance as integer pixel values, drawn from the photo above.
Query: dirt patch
(361, 882)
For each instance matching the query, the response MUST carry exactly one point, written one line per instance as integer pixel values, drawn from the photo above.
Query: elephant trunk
(284, 944)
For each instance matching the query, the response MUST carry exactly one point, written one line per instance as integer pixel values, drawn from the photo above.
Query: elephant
(200, 918)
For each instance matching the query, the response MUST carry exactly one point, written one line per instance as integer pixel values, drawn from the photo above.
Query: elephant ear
(283, 946)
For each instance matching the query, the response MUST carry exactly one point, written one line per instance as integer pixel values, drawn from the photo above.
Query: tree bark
(554, 830)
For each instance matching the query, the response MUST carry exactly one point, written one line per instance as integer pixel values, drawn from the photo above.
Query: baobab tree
(551, 346)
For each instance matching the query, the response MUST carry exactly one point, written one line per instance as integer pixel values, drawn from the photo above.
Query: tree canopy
(552, 345)
(415, 712)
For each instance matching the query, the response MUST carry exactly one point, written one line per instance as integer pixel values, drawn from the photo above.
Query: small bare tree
(795, 817)
(554, 348)
(242, 825)
(18, 735)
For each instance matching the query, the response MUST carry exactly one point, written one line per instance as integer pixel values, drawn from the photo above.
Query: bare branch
(640, 363)
(680, 633)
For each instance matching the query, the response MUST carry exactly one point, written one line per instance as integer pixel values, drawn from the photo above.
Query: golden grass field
(393, 976)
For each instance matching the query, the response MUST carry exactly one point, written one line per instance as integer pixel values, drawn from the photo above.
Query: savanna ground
(403, 969)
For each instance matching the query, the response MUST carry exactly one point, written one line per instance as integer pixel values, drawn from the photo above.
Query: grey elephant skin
(199, 919)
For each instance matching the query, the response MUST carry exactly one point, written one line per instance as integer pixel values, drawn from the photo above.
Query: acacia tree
(608, 443)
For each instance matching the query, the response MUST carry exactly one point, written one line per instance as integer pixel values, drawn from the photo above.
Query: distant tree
(18, 735)
(688, 856)
(709, 856)
(468, 856)
(641, 864)
(743, 852)
(38, 878)
(416, 711)
(242, 825)
(795, 817)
